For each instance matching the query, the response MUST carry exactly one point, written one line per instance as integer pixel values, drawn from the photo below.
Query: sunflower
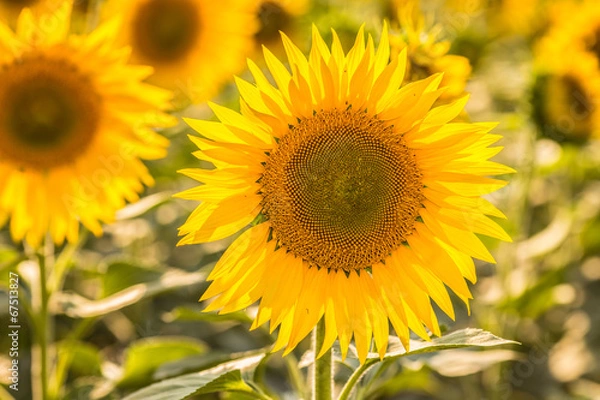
(363, 202)
(567, 61)
(565, 101)
(579, 33)
(74, 123)
(194, 45)
(427, 54)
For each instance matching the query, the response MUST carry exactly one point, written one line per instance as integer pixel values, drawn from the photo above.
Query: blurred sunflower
(276, 16)
(194, 45)
(567, 61)
(579, 33)
(428, 55)
(364, 201)
(566, 100)
(74, 123)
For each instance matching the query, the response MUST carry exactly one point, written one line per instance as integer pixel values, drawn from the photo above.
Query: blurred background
(128, 312)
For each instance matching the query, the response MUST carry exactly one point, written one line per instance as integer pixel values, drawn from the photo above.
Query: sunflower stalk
(64, 362)
(322, 371)
(40, 368)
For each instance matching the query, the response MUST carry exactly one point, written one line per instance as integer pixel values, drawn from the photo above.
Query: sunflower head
(194, 45)
(565, 103)
(75, 122)
(567, 62)
(358, 201)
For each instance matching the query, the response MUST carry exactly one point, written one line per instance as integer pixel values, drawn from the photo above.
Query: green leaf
(121, 274)
(222, 378)
(83, 358)
(76, 306)
(202, 362)
(187, 314)
(468, 337)
(407, 380)
(9, 259)
(191, 364)
(145, 356)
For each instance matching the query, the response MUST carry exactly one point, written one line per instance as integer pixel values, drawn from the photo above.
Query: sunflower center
(165, 30)
(273, 18)
(341, 190)
(49, 114)
(578, 99)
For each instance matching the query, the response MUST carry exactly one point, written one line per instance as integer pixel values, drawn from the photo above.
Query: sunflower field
(299, 199)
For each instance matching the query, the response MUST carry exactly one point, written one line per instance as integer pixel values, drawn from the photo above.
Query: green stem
(43, 326)
(63, 362)
(355, 378)
(64, 261)
(323, 367)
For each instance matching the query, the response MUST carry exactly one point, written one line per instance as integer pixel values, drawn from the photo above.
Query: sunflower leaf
(187, 314)
(201, 362)
(226, 377)
(9, 259)
(77, 306)
(81, 358)
(123, 274)
(147, 355)
(469, 337)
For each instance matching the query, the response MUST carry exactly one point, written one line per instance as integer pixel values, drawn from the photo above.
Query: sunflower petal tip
(287, 350)
(284, 36)
(324, 350)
